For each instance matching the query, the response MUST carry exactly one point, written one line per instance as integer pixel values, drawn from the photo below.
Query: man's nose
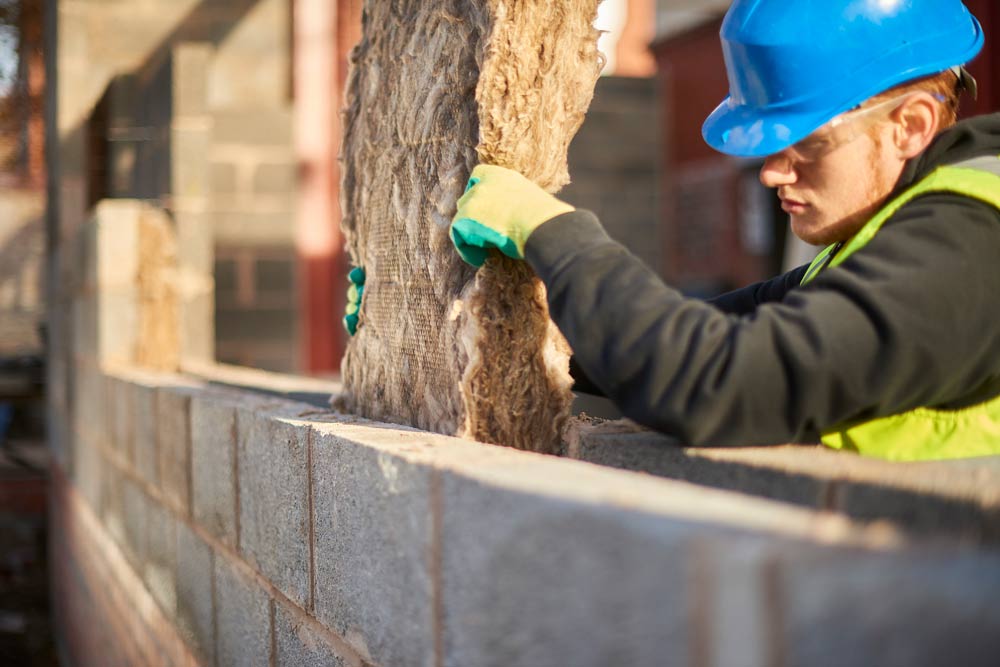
(777, 171)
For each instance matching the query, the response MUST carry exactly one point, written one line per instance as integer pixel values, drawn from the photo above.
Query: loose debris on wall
(436, 88)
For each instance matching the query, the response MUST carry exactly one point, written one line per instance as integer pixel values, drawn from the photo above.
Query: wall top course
(495, 544)
(526, 472)
(302, 402)
(976, 480)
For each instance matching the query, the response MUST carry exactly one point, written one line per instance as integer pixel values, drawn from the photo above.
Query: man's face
(834, 180)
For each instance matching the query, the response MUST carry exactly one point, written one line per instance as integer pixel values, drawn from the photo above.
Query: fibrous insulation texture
(435, 88)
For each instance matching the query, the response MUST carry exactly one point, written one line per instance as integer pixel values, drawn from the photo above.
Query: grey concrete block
(195, 604)
(146, 432)
(251, 67)
(275, 178)
(536, 580)
(275, 274)
(88, 472)
(121, 417)
(160, 566)
(242, 617)
(274, 500)
(251, 227)
(929, 514)
(653, 453)
(60, 437)
(85, 341)
(117, 242)
(259, 127)
(118, 324)
(269, 324)
(954, 498)
(136, 523)
(225, 273)
(298, 644)
(58, 423)
(173, 406)
(189, 145)
(222, 177)
(190, 66)
(635, 94)
(373, 537)
(113, 504)
(195, 249)
(197, 327)
(892, 610)
(733, 605)
(213, 466)
(93, 405)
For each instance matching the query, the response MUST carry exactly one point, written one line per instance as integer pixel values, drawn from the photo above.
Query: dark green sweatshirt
(911, 319)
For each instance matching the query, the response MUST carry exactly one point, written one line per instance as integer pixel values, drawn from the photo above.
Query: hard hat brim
(745, 131)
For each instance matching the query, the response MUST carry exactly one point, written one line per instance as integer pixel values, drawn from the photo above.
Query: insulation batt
(435, 88)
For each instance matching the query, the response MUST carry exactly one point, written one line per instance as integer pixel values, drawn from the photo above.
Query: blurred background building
(226, 115)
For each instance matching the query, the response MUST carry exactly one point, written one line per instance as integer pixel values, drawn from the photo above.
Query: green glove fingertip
(472, 239)
(355, 292)
(351, 324)
(464, 242)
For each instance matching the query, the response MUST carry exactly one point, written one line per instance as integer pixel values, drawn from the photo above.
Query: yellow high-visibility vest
(923, 433)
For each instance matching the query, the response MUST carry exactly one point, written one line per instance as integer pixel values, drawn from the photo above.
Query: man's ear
(916, 124)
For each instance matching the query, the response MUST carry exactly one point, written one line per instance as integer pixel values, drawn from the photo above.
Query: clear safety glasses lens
(840, 131)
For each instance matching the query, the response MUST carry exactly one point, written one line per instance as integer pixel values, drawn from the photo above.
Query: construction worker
(889, 343)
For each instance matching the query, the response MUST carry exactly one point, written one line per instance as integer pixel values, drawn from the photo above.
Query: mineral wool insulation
(435, 88)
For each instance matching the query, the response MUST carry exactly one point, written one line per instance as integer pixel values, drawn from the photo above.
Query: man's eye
(814, 143)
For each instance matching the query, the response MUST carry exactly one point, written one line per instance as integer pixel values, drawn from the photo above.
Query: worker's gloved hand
(354, 294)
(500, 209)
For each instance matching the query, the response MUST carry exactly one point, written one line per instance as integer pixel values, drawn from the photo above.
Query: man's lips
(793, 206)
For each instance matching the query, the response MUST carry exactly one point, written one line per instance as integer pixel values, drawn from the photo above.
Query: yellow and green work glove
(500, 209)
(354, 294)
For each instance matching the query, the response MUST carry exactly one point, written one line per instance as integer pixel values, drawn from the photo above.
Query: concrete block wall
(210, 518)
(188, 105)
(253, 176)
(22, 241)
(615, 161)
(257, 313)
(254, 183)
(957, 499)
(276, 532)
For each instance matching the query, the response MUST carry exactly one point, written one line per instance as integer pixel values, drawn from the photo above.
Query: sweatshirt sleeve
(908, 320)
(745, 300)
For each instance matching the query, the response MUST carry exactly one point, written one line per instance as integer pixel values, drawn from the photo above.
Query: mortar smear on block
(436, 88)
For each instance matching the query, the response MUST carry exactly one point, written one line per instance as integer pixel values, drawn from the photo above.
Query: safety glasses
(841, 130)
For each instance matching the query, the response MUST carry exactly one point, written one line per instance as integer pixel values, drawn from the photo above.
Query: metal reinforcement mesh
(434, 89)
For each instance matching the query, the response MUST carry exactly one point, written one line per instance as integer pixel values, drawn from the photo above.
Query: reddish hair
(945, 88)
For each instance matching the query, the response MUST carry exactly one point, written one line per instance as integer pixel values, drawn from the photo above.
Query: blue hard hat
(795, 64)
